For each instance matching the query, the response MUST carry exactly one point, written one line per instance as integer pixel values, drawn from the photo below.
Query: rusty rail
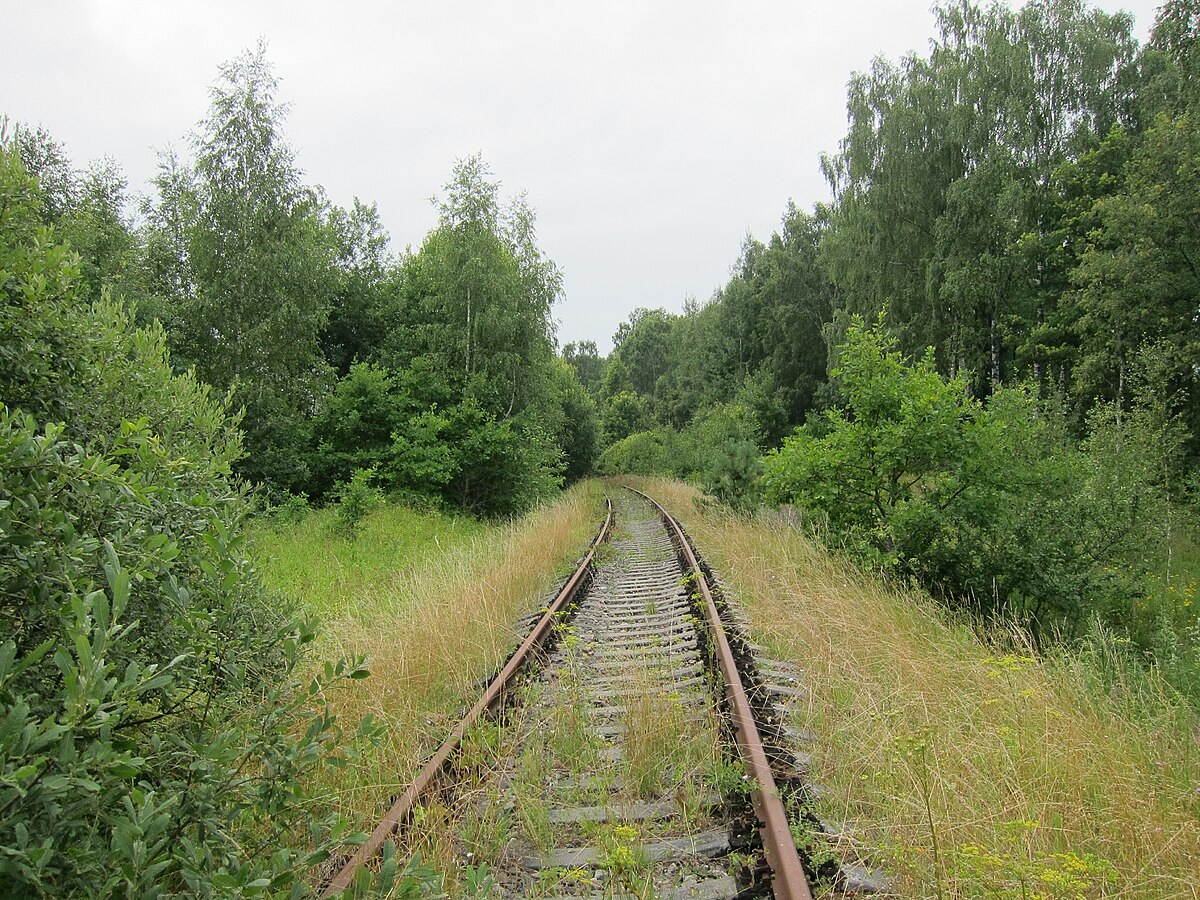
(790, 882)
(403, 807)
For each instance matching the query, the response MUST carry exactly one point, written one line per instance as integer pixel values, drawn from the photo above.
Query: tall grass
(432, 601)
(973, 767)
(333, 574)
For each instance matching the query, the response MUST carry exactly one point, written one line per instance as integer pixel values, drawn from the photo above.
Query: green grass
(1176, 581)
(330, 573)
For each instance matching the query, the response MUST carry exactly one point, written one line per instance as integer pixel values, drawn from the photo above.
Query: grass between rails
(975, 768)
(431, 600)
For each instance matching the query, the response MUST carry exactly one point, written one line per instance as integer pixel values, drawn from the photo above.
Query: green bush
(160, 725)
(359, 499)
(724, 444)
(652, 452)
(718, 451)
(466, 457)
(993, 507)
(353, 428)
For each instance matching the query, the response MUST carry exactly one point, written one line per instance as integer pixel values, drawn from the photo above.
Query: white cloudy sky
(650, 136)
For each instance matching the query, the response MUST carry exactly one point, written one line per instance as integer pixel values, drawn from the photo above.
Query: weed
(486, 830)
(811, 842)
(477, 882)
(728, 778)
(359, 498)
(625, 858)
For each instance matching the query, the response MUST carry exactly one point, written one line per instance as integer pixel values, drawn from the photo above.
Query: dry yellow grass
(435, 631)
(974, 768)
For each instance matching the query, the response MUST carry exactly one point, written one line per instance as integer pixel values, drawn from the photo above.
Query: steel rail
(403, 807)
(789, 882)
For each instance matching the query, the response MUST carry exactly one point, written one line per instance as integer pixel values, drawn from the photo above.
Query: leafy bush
(354, 426)
(158, 735)
(994, 506)
(359, 499)
(288, 512)
(724, 442)
(625, 413)
(645, 453)
(465, 456)
(718, 450)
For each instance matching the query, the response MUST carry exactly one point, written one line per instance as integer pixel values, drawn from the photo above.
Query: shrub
(359, 499)
(158, 735)
(652, 452)
(993, 506)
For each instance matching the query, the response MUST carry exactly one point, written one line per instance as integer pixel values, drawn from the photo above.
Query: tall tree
(1140, 275)
(948, 165)
(467, 359)
(364, 274)
(587, 362)
(260, 281)
(476, 299)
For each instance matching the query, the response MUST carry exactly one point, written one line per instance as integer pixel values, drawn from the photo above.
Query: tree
(259, 282)
(993, 507)
(588, 364)
(643, 344)
(570, 415)
(625, 413)
(1140, 274)
(467, 349)
(1171, 62)
(476, 298)
(46, 159)
(945, 174)
(364, 277)
(97, 228)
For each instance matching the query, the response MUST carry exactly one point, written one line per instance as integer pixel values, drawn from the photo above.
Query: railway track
(629, 748)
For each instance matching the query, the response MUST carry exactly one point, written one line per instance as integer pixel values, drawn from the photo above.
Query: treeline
(978, 365)
(433, 371)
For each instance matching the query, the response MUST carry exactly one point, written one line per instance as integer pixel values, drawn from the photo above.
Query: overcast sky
(650, 136)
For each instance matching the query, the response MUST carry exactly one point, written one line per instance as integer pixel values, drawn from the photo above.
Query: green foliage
(569, 413)
(991, 506)
(643, 344)
(1138, 275)
(644, 453)
(160, 721)
(718, 450)
(37, 275)
(463, 402)
(353, 428)
(364, 272)
(474, 302)
(588, 364)
(624, 413)
(357, 500)
(905, 437)
(475, 462)
(947, 164)
(725, 452)
(45, 159)
(245, 268)
(96, 227)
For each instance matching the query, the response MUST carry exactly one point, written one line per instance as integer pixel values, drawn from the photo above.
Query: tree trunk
(994, 336)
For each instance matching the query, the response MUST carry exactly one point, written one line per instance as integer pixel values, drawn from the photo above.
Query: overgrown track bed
(626, 766)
